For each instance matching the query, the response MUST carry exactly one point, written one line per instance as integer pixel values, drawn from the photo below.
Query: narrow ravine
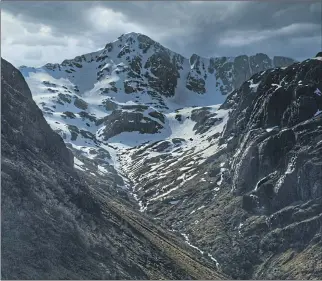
(132, 185)
(201, 252)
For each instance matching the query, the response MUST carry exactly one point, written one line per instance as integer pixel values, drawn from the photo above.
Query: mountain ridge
(136, 45)
(135, 34)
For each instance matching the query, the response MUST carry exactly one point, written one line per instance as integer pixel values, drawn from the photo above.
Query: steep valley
(177, 168)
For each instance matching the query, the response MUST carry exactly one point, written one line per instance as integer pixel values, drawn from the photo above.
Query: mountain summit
(136, 64)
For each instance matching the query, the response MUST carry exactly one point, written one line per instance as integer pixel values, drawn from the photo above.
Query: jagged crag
(276, 172)
(254, 201)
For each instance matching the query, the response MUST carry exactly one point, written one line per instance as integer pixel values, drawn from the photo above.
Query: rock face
(121, 121)
(33, 134)
(247, 189)
(276, 167)
(284, 128)
(61, 224)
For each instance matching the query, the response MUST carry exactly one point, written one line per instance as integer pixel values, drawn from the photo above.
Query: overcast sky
(35, 33)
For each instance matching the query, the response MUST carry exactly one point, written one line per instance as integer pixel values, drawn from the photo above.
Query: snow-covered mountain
(223, 152)
(134, 91)
(135, 64)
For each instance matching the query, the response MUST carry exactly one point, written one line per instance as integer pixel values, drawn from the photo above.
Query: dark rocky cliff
(276, 170)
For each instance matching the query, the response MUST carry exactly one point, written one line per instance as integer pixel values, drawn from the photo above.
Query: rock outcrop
(125, 121)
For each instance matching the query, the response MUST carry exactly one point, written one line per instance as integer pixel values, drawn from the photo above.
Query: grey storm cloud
(33, 54)
(225, 28)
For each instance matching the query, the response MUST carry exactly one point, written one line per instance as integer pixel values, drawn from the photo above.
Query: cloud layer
(34, 33)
